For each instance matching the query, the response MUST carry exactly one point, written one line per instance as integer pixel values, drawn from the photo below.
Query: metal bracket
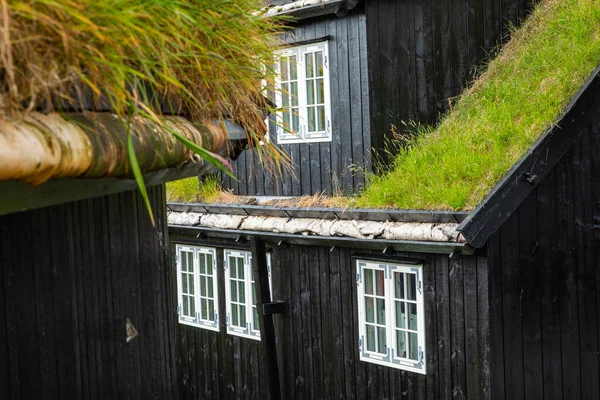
(275, 307)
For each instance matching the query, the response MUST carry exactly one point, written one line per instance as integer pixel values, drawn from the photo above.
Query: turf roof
(520, 95)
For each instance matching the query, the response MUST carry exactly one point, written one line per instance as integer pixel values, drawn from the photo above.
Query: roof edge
(305, 9)
(525, 175)
(18, 196)
(281, 239)
(381, 215)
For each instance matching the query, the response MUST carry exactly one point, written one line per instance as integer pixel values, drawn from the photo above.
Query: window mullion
(197, 286)
(391, 332)
(302, 88)
(248, 285)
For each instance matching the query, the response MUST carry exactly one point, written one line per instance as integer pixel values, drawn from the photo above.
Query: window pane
(311, 119)
(209, 284)
(370, 338)
(183, 261)
(204, 308)
(242, 316)
(370, 308)
(186, 310)
(191, 284)
(413, 346)
(284, 69)
(233, 267)
(320, 91)
(319, 63)
(285, 95)
(209, 264)
(412, 316)
(286, 120)
(190, 262)
(242, 292)
(255, 322)
(399, 280)
(381, 311)
(368, 281)
(211, 309)
(321, 118)
(293, 68)
(253, 294)
(381, 340)
(184, 283)
(240, 268)
(379, 283)
(202, 285)
(295, 121)
(310, 92)
(294, 94)
(411, 286)
(234, 296)
(400, 314)
(202, 263)
(309, 65)
(192, 307)
(401, 343)
(235, 316)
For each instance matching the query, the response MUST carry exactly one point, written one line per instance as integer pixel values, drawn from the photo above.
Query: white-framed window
(390, 312)
(197, 292)
(304, 96)
(240, 294)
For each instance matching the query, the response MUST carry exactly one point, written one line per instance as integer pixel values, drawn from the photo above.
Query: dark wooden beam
(19, 196)
(267, 328)
(531, 169)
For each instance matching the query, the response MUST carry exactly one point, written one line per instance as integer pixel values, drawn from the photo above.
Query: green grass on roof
(522, 93)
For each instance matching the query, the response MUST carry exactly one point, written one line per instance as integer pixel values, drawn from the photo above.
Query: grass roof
(520, 95)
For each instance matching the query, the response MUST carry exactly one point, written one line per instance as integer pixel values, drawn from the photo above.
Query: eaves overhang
(304, 9)
(407, 230)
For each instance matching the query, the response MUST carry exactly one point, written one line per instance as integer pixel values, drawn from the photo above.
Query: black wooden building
(85, 300)
(389, 62)
(510, 306)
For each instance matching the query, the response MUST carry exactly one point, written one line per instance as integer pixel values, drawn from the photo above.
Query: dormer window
(304, 99)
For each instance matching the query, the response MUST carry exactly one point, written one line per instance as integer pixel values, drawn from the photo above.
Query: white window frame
(249, 331)
(197, 320)
(303, 136)
(390, 358)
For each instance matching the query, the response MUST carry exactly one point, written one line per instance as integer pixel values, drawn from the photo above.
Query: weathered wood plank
(569, 304)
(529, 299)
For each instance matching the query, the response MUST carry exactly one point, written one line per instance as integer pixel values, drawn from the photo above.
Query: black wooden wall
(422, 53)
(317, 341)
(327, 167)
(70, 276)
(544, 285)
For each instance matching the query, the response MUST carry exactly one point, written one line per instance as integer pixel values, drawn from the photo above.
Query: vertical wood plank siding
(317, 341)
(421, 54)
(327, 167)
(70, 276)
(544, 284)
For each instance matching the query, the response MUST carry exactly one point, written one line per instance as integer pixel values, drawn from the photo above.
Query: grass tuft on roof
(521, 94)
(201, 56)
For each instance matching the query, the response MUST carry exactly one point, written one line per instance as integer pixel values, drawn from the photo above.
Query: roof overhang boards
(303, 9)
(531, 169)
(433, 237)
